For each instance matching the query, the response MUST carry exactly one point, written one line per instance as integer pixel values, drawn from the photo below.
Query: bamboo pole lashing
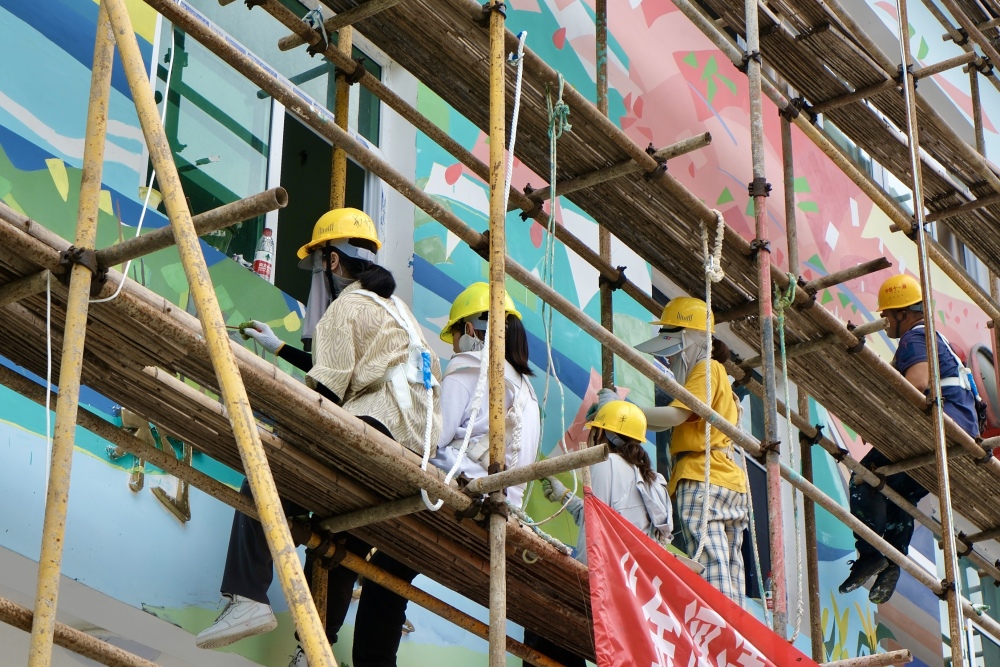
(311, 634)
(43, 622)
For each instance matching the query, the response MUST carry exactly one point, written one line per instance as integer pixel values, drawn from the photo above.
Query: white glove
(554, 490)
(264, 335)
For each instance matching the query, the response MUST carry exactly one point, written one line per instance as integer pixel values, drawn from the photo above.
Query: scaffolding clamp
(772, 446)
(254, 3)
(861, 340)
(985, 458)
(490, 7)
(901, 75)
(661, 164)
(965, 37)
(756, 246)
(795, 106)
(964, 539)
(86, 258)
(614, 284)
(747, 57)
(357, 74)
(945, 587)
(759, 187)
(811, 301)
(814, 440)
(985, 66)
(840, 454)
(491, 506)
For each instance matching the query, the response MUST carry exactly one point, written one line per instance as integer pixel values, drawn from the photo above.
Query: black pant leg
(249, 565)
(340, 589)
(381, 614)
(899, 524)
(557, 653)
(868, 505)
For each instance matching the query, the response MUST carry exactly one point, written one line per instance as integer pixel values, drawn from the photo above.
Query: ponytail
(634, 454)
(516, 346)
(372, 277)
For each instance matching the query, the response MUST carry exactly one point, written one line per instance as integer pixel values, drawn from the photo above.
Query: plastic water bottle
(263, 259)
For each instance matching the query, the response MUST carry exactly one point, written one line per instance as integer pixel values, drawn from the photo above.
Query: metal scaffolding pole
(950, 583)
(74, 335)
(498, 335)
(293, 581)
(759, 189)
(603, 235)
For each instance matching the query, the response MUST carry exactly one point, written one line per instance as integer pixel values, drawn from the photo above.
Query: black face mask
(614, 439)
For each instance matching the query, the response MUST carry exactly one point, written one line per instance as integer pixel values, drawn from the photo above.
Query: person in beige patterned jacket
(369, 357)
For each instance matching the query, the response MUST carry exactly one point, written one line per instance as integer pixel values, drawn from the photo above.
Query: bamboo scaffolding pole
(518, 199)
(209, 221)
(951, 583)
(74, 335)
(24, 287)
(72, 639)
(983, 536)
(293, 581)
(955, 35)
(338, 177)
(369, 515)
(343, 19)
(621, 169)
(974, 32)
(497, 633)
(917, 462)
(878, 660)
(889, 84)
(838, 277)
(799, 349)
(878, 196)
(759, 191)
(543, 468)
(603, 235)
(959, 209)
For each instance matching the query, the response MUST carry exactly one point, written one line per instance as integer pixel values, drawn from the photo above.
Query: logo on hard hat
(685, 318)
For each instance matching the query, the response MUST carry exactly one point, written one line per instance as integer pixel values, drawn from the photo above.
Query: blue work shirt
(959, 404)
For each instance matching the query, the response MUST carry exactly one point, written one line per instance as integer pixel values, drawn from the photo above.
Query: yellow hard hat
(621, 417)
(474, 299)
(898, 292)
(687, 312)
(341, 223)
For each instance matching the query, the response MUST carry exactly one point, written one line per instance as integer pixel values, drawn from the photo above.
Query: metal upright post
(338, 183)
(77, 305)
(950, 583)
(279, 539)
(805, 447)
(759, 189)
(497, 333)
(603, 235)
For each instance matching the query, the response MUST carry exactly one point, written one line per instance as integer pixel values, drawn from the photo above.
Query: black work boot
(885, 584)
(862, 569)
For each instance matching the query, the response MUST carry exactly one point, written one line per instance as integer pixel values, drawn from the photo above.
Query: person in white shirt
(466, 331)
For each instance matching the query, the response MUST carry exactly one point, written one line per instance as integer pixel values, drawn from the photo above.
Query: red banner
(651, 610)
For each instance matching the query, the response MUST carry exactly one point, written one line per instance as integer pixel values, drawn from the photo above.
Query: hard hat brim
(656, 345)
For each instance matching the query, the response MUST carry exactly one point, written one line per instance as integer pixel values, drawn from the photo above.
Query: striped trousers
(728, 516)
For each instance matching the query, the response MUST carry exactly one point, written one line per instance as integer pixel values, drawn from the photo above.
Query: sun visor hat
(345, 248)
(665, 344)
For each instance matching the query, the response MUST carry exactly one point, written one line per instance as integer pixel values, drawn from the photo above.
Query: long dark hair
(633, 453)
(515, 342)
(720, 351)
(373, 277)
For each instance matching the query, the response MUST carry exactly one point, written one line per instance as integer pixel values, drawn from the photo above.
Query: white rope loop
(713, 274)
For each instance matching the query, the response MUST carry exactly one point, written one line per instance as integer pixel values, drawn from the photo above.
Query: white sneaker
(241, 618)
(299, 659)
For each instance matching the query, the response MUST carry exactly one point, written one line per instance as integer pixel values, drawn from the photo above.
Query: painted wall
(127, 547)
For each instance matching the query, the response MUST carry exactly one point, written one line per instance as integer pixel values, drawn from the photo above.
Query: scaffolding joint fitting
(814, 440)
(357, 74)
(772, 446)
(253, 3)
(482, 248)
(945, 587)
(616, 284)
(759, 187)
(811, 301)
(840, 455)
(985, 66)
(489, 8)
(861, 340)
(499, 506)
(965, 37)
(473, 511)
(881, 480)
(747, 57)
(901, 75)
(963, 538)
(795, 106)
(87, 258)
(756, 246)
(985, 458)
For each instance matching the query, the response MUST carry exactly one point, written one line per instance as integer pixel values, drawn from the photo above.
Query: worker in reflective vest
(900, 301)
(370, 358)
(713, 513)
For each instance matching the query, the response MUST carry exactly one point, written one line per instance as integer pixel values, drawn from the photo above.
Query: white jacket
(458, 388)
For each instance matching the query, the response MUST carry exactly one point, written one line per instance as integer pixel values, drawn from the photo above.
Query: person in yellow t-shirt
(681, 340)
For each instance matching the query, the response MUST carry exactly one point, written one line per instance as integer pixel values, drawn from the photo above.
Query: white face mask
(469, 343)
